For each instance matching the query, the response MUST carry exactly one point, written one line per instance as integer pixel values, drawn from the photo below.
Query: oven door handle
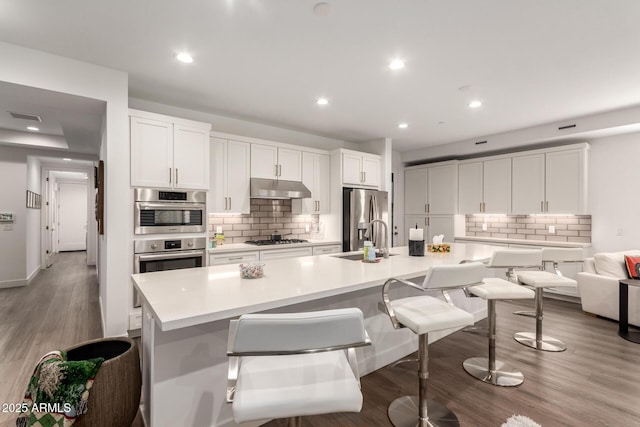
(173, 255)
(164, 206)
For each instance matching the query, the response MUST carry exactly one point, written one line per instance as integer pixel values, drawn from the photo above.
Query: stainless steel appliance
(159, 211)
(167, 254)
(359, 208)
(275, 242)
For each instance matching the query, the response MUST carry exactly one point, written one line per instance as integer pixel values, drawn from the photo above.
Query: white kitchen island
(186, 317)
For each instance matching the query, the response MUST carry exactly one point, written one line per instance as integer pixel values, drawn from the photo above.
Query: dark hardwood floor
(596, 382)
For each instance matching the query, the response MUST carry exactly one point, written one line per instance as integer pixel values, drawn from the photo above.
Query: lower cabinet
(432, 226)
(285, 253)
(327, 249)
(223, 258)
(234, 257)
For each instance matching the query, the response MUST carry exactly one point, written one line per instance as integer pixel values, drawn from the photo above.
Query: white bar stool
(539, 280)
(424, 314)
(295, 364)
(489, 369)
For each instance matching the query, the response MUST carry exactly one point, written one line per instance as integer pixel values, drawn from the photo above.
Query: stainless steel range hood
(278, 189)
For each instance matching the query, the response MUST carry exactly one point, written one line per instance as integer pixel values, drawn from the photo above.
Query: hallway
(58, 309)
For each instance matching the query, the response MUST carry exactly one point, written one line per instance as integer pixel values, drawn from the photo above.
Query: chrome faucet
(385, 251)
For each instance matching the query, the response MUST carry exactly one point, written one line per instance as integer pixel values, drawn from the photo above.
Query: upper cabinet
(316, 177)
(431, 189)
(168, 152)
(485, 186)
(273, 162)
(230, 166)
(360, 169)
(551, 182)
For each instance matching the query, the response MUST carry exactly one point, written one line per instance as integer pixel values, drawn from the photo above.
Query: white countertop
(242, 247)
(182, 298)
(524, 242)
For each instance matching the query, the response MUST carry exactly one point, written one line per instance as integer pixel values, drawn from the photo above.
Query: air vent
(566, 127)
(23, 116)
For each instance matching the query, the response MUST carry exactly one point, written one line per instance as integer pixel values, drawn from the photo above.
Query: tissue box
(439, 247)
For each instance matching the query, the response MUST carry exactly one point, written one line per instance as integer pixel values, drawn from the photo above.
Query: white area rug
(520, 421)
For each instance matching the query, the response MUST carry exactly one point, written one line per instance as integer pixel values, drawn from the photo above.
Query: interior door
(72, 228)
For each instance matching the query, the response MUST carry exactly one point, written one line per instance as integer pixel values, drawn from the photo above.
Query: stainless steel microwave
(160, 211)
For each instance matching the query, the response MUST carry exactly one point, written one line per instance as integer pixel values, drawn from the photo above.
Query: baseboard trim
(33, 275)
(104, 325)
(13, 283)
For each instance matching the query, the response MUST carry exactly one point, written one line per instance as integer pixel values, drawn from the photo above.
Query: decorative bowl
(252, 270)
(439, 247)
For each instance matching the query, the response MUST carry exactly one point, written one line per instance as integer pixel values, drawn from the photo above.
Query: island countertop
(189, 297)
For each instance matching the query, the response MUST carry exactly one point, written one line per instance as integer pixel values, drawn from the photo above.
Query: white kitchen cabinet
(233, 257)
(168, 152)
(361, 169)
(431, 189)
(316, 177)
(327, 249)
(230, 164)
(273, 162)
(285, 253)
(551, 182)
(433, 225)
(485, 186)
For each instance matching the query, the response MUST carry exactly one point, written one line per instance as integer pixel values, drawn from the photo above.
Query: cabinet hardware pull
(234, 258)
(279, 170)
(428, 221)
(176, 176)
(225, 203)
(365, 176)
(480, 206)
(541, 206)
(276, 170)
(425, 207)
(229, 203)
(428, 207)
(547, 206)
(170, 173)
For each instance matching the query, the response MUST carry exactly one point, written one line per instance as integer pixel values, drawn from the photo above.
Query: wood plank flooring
(596, 382)
(58, 309)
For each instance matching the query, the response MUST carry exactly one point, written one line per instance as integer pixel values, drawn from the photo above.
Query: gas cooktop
(275, 242)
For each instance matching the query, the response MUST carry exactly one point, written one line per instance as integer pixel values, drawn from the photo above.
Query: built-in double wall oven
(160, 212)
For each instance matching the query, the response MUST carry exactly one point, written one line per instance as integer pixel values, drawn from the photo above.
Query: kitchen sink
(358, 257)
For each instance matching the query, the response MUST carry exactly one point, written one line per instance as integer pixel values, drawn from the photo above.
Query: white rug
(520, 421)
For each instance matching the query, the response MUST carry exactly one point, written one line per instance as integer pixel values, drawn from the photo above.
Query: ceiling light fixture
(322, 101)
(33, 128)
(184, 57)
(403, 125)
(396, 64)
(66, 159)
(475, 104)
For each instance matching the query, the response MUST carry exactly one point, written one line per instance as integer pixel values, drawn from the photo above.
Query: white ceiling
(529, 62)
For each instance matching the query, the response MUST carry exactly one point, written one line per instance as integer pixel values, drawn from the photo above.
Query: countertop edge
(244, 247)
(524, 242)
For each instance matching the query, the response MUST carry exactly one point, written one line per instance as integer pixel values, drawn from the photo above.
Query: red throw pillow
(633, 266)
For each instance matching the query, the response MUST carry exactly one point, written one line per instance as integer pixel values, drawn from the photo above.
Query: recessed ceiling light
(403, 125)
(396, 64)
(33, 128)
(184, 57)
(475, 104)
(322, 101)
(66, 159)
(322, 9)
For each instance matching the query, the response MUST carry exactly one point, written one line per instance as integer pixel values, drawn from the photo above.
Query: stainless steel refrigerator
(359, 208)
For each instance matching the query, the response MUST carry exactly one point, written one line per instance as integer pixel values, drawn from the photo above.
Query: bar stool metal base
(403, 412)
(504, 375)
(546, 343)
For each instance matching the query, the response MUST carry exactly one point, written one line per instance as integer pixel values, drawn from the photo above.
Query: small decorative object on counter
(368, 247)
(438, 246)
(212, 242)
(219, 238)
(252, 270)
(416, 241)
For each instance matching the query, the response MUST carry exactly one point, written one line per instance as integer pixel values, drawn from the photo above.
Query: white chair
(489, 369)
(424, 314)
(295, 364)
(539, 280)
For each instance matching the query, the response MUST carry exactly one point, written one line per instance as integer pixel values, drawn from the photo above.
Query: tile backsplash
(568, 228)
(267, 216)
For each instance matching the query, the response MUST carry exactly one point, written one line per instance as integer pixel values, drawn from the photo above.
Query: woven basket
(115, 396)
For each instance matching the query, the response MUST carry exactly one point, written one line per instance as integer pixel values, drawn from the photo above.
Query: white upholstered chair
(539, 280)
(489, 369)
(424, 314)
(295, 364)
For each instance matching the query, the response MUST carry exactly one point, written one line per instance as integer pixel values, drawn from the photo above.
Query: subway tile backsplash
(568, 228)
(267, 216)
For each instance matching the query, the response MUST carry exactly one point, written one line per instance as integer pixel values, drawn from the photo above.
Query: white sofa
(599, 289)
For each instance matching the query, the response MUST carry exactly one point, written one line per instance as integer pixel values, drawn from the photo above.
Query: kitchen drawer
(233, 258)
(285, 253)
(327, 249)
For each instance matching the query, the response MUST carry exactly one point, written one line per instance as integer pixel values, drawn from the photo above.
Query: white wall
(41, 70)
(242, 127)
(13, 175)
(614, 172)
(33, 218)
